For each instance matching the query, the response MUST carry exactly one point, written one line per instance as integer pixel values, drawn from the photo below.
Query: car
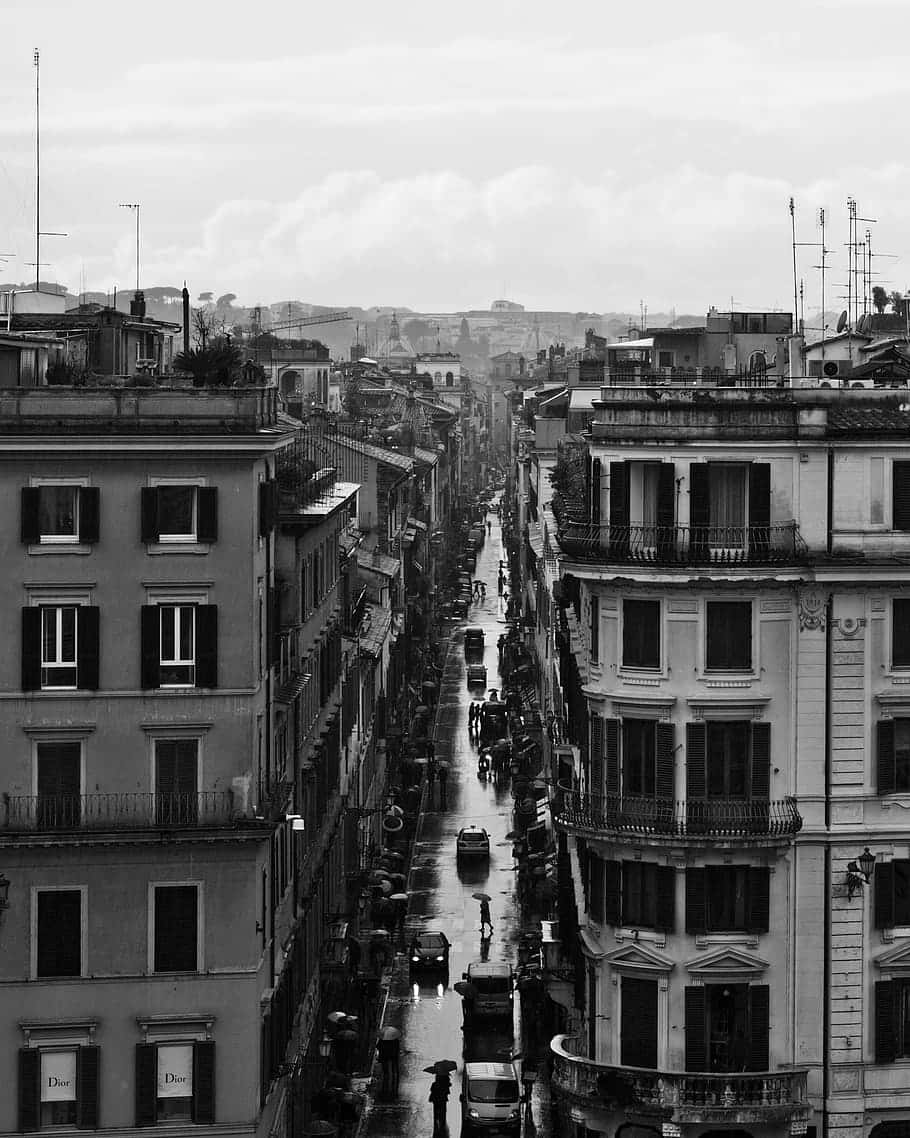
(490, 1099)
(477, 676)
(473, 640)
(472, 841)
(429, 950)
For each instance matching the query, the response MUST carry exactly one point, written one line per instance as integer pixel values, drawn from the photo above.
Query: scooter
(483, 766)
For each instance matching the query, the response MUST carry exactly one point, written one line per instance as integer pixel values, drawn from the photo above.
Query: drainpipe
(826, 962)
(269, 624)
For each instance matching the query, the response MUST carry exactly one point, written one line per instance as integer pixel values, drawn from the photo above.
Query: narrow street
(428, 1011)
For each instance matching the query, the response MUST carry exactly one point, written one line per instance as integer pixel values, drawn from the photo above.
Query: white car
(472, 841)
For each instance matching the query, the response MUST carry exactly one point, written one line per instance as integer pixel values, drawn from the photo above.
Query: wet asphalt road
(426, 1009)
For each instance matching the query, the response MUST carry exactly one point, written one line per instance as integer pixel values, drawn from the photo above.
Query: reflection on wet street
(425, 1007)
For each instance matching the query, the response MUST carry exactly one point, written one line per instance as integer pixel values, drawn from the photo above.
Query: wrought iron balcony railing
(683, 545)
(719, 819)
(731, 1096)
(130, 811)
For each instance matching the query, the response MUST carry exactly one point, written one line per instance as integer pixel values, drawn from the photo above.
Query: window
(595, 630)
(728, 899)
(900, 496)
(639, 893)
(664, 359)
(638, 1022)
(58, 932)
(728, 636)
(59, 785)
(729, 508)
(58, 1086)
(175, 1082)
(900, 633)
(728, 759)
(176, 781)
(175, 936)
(728, 1027)
(179, 645)
(641, 634)
(639, 755)
(631, 893)
(727, 767)
(892, 894)
(893, 759)
(179, 514)
(64, 514)
(892, 1020)
(60, 646)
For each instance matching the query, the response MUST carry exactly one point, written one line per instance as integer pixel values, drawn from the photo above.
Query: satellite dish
(865, 325)
(842, 321)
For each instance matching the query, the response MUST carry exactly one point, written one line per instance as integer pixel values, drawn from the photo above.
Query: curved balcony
(725, 819)
(645, 1096)
(779, 544)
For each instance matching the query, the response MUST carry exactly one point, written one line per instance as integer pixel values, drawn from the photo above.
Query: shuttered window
(721, 899)
(59, 785)
(893, 755)
(900, 493)
(176, 928)
(639, 757)
(60, 647)
(728, 759)
(891, 882)
(176, 786)
(179, 645)
(900, 633)
(179, 514)
(641, 634)
(728, 636)
(892, 1020)
(58, 925)
(638, 1022)
(728, 1027)
(175, 1082)
(648, 895)
(595, 629)
(596, 888)
(59, 515)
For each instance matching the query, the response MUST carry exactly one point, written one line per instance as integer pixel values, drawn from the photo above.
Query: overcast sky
(582, 156)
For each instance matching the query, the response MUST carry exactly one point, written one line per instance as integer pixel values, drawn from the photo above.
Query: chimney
(137, 305)
(186, 318)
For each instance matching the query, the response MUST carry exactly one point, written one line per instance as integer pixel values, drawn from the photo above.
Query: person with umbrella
(400, 901)
(439, 1093)
(389, 1049)
(485, 920)
(443, 777)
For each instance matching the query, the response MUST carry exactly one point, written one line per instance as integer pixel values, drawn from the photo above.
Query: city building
(726, 661)
(192, 772)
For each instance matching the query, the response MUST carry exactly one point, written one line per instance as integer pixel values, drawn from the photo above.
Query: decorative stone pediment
(896, 961)
(750, 707)
(726, 963)
(639, 958)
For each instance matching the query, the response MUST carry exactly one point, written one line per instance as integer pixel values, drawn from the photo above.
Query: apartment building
(173, 834)
(731, 658)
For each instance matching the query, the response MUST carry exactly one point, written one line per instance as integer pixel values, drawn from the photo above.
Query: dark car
(473, 642)
(429, 950)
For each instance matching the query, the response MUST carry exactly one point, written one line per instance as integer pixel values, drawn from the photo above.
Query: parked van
(490, 1098)
(493, 985)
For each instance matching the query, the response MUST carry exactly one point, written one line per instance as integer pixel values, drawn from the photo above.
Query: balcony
(726, 819)
(58, 813)
(723, 546)
(729, 1098)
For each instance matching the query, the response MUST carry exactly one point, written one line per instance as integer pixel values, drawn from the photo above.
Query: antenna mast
(37, 61)
(793, 242)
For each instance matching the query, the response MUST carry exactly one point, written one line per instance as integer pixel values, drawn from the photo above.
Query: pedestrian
(472, 715)
(485, 918)
(502, 582)
(431, 750)
(489, 527)
(443, 785)
(483, 591)
(353, 956)
(389, 1050)
(439, 1097)
(501, 642)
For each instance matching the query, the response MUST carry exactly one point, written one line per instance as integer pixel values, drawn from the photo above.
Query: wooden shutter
(900, 632)
(150, 647)
(31, 648)
(89, 514)
(885, 756)
(696, 1035)
(266, 507)
(886, 998)
(612, 892)
(759, 1026)
(597, 755)
(666, 897)
(149, 514)
(619, 509)
(88, 641)
(206, 646)
(207, 513)
(29, 527)
(666, 511)
(884, 895)
(595, 490)
(638, 1022)
(761, 760)
(204, 1082)
(88, 1063)
(900, 494)
(696, 901)
(611, 747)
(146, 1084)
(760, 497)
(596, 896)
(666, 756)
(696, 744)
(699, 510)
(29, 1088)
(759, 898)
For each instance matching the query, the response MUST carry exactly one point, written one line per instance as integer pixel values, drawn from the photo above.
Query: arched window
(450, 379)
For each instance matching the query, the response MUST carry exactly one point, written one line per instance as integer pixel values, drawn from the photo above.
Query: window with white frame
(63, 512)
(177, 645)
(59, 646)
(58, 513)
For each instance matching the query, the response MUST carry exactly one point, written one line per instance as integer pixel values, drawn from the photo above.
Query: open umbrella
(464, 988)
(379, 934)
(347, 1036)
(481, 897)
(399, 897)
(393, 855)
(390, 1033)
(398, 880)
(442, 1067)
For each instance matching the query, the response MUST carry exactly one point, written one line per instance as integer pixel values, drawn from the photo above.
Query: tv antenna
(39, 233)
(137, 207)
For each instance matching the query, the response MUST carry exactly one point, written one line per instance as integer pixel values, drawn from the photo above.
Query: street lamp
(859, 872)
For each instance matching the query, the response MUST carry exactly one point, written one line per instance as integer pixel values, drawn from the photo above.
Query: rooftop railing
(683, 545)
(718, 819)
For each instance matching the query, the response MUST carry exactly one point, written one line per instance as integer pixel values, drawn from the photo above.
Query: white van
(490, 1099)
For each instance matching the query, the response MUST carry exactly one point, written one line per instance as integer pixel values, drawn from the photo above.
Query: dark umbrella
(481, 897)
(398, 880)
(442, 1067)
(347, 1036)
(464, 988)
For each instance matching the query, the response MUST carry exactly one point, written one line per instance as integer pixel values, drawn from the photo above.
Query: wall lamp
(859, 872)
(4, 891)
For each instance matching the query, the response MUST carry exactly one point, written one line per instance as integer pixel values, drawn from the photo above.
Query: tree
(205, 326)
(879, 299)
(898, 304)
(215, 366)
(205, 297)
(226, 300)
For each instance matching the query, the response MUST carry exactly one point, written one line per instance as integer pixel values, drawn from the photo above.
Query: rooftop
(381, 454)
